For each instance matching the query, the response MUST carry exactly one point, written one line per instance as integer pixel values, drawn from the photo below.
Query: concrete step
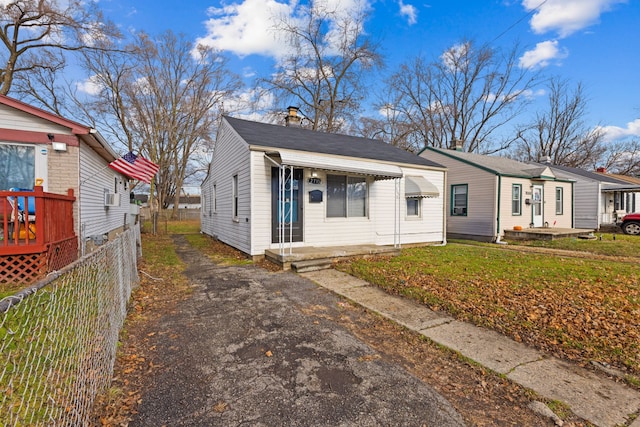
(311, 265)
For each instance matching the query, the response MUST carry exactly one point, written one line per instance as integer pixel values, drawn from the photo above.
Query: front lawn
(611, 244)
(578, 308)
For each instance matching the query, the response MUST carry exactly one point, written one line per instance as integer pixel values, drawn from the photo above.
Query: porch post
(397, 213)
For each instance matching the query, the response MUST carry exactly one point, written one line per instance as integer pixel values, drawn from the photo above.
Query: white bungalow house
(488, 194)
(280, 188)
(600, 199)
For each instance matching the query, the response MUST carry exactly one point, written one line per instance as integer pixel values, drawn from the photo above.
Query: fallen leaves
(576, 308)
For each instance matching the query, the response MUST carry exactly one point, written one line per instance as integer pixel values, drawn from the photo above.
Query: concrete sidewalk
(599, 400)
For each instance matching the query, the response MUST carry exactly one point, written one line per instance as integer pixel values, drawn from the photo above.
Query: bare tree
(623, 158)
(164, 97)
(34, 32)
(324, 74)
(559, 133)
(470, 94)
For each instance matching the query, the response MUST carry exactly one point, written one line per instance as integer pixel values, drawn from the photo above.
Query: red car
(631, 224)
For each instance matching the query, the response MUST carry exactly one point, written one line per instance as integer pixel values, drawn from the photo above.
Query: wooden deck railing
(37, 230)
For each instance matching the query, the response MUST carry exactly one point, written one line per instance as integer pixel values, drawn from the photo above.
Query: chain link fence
(58, 339)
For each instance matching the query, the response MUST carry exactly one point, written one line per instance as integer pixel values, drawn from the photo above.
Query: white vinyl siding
(96, 179)
(480, 220)
(252, 232)
(11, 118)
(230, 158)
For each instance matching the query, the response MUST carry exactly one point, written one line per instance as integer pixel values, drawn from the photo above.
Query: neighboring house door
(286, 205)
(536, 206)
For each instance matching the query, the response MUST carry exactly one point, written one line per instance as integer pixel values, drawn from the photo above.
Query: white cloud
(90, 86)
(246, 28)
(566, 16)
(542, 54)
(408, 11)
(613, 133)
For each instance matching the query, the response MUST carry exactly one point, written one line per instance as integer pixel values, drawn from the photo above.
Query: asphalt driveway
(255, 348)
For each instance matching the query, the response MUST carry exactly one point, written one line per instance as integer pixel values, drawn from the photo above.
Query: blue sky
(593, 42)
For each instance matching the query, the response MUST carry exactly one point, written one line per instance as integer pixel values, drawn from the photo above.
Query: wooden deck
(36, 234)
(546, 233)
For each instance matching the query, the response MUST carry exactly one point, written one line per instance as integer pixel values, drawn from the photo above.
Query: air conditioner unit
(111, 199)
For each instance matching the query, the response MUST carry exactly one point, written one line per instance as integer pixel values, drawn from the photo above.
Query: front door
(537, 205)
(286, 205)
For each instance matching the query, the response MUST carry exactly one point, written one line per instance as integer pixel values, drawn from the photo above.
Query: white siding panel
(10, 118)
(587, 201)
(261, 203)
(482, 190)
(95, 179)
(230, 157)
(206, 213)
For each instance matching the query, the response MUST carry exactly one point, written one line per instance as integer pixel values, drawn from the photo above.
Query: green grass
(217, 251)
(580, 307)
(610, 244)
(166, 226)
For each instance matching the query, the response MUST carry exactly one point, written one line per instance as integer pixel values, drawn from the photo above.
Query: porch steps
(312, 265)
(319, 258)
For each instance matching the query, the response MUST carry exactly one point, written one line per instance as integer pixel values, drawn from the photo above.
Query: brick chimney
(456, 144)
(601, 170)
(292, 118)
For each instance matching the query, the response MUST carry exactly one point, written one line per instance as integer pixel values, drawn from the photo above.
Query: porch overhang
(419, 187)
(378, 170)
(623, 189)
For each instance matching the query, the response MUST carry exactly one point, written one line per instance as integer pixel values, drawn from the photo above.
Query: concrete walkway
(597, 399)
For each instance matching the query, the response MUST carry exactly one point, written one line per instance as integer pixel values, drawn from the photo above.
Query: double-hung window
(516, 199)
(459, 200)
(559, 200)
(235, 197)
(347, 196)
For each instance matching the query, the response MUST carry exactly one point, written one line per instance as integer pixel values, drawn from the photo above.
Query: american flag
(136, 167)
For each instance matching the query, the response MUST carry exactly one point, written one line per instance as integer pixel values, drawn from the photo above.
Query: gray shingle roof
(590, 175)
(500, 165)
(294, 138)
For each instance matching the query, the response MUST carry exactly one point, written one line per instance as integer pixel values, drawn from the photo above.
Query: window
(459, 200)
(235, 196)
(516, 199)
(346, 196)
(413, 207)
(17, 166)
(559, 200)
(215, 198)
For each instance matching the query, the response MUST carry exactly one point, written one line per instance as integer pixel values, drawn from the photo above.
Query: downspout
(573, 208)
(498, 241)
(444, 211)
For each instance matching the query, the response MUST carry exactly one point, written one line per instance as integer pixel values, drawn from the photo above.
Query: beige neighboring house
(39, 146)
(486, 195)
